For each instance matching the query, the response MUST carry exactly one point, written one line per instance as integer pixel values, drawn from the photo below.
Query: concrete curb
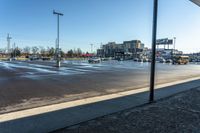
(52, 117)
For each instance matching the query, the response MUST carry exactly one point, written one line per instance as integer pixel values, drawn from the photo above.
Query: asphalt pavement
(37, 83)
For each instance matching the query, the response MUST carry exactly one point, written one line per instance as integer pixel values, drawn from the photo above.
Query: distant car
(140, 60)
(149, 60)
(106, 59)
(145, 60)
(160, 60)
(136, 59)
(12, 59)
(33, 58)
(94, 60)
(46, 58)
(120, 59)
(169, 61)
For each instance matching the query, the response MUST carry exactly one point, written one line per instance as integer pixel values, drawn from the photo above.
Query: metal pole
(58, 39)
(154, 33)
(14, 50)
(58, 56)
(8, 45)
(174, 44)
(58, 30)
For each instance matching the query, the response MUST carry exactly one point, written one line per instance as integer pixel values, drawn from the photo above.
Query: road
(31, 84)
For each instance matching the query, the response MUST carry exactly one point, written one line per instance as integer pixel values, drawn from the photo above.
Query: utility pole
(58, 30)
(153, 56)
(8, 43)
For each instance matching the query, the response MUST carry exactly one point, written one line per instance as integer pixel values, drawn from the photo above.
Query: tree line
(45, 52)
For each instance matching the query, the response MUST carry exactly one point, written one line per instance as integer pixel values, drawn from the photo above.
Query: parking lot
(28, 84)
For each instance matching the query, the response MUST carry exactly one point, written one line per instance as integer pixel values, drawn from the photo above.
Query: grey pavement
(30, 84)
(72, 115)
(179, 113)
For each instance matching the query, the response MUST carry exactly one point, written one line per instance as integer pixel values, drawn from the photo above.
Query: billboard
(164, 41)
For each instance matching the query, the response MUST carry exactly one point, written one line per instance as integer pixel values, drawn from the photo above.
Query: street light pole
(174, 44)
(14, 50)
(58, 35)
(153, 56)
(8, 45)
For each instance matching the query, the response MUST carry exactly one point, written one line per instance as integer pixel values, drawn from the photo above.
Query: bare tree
(42, 50)
(35, 50)
(51, 51)
(79, 52)
(26, 50)
(3, 50)
(70, 53)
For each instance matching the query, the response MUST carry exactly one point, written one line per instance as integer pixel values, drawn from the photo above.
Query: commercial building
(126, 50)
(194, 57)
(161, 52)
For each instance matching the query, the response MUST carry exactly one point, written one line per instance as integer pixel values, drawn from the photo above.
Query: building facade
(128, 49)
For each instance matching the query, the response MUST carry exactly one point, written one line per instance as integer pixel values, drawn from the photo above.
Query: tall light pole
(58, 30)
(14, 50)
(153, 56)
(8, 45)
(174, 45)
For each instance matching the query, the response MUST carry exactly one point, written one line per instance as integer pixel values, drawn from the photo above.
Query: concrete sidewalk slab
(177, 113)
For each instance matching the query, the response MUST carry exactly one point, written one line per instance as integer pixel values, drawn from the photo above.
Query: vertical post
(58, 39)
(14, 50)
(8, 45)
(154, 33)
(174, 45)
(58, 56)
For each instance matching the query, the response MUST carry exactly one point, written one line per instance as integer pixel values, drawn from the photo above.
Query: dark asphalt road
(31, 84)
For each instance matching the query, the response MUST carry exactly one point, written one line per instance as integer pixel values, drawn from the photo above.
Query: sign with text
(164, 41)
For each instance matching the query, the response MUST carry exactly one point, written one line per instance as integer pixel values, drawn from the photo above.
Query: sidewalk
(177, 113)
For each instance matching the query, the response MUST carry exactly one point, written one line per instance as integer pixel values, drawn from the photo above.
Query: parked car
(140, 60)
(135, 59)
(33, 57)
(46, 58)
(169, 61)
(160, 60)
(145, 60)
(94, 60)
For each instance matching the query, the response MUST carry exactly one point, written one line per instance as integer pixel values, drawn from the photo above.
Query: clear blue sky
(31, 22)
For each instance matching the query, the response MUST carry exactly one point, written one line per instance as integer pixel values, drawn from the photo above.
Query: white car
(94, 60)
